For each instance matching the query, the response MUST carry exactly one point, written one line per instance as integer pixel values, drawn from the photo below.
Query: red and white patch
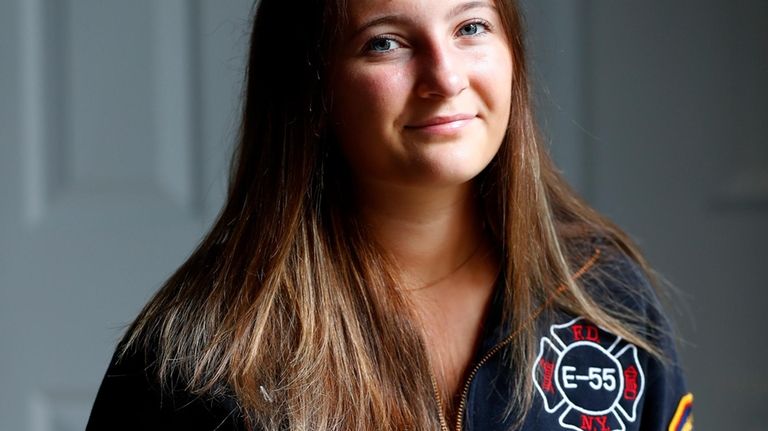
(591, 378)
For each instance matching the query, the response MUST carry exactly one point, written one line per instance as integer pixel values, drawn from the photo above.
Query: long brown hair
(289, 307)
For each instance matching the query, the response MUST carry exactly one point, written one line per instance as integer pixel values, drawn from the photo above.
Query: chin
(453, 169)
(442, 176)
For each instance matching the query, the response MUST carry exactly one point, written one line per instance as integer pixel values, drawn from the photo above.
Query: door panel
(106, 182)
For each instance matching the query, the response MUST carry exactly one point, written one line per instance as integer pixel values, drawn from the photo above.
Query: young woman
(397, 251)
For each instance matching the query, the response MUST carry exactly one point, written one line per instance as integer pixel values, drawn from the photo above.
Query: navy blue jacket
(585, 378)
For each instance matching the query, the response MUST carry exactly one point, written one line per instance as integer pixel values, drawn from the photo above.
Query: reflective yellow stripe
(685, 404)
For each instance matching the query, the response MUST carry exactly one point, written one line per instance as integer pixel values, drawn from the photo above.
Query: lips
(441, 121)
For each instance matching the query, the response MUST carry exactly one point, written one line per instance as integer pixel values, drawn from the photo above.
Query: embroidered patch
(683, 418)
(590, 377)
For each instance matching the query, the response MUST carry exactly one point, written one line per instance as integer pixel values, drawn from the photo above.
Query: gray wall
(116, 119)
(658, 113)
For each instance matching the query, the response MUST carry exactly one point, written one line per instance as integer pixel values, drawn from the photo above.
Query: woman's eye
(473, 29)
(382, 44)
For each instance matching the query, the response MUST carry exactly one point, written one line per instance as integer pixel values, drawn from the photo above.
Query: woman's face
(421, 90)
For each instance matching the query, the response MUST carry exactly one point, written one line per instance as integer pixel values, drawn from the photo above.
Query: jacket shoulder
(639, 389)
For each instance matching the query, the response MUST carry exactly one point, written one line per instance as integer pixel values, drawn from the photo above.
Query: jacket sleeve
(130, 398)
(667, 403)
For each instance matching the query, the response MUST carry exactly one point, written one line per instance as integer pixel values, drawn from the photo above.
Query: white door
(116, 121)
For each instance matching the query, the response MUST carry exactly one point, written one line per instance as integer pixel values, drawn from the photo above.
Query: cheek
(373, 96)
(494, 70)
(367, 106)
(493, 73)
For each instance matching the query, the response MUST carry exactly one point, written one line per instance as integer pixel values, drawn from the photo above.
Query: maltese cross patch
(589, 377)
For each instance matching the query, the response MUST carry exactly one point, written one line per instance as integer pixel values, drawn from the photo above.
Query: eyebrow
(404, 19)
(463, 7)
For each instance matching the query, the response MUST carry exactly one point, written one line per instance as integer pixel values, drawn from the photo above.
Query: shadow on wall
(656, 111)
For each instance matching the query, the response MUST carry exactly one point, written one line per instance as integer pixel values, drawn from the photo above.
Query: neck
(432, 233)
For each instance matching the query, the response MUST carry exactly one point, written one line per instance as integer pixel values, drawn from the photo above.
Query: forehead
(360, 11)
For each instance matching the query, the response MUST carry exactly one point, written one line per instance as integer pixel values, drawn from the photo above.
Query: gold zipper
(465, 392)
(439, 399)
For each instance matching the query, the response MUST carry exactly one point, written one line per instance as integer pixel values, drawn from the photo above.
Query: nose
(441, 72)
